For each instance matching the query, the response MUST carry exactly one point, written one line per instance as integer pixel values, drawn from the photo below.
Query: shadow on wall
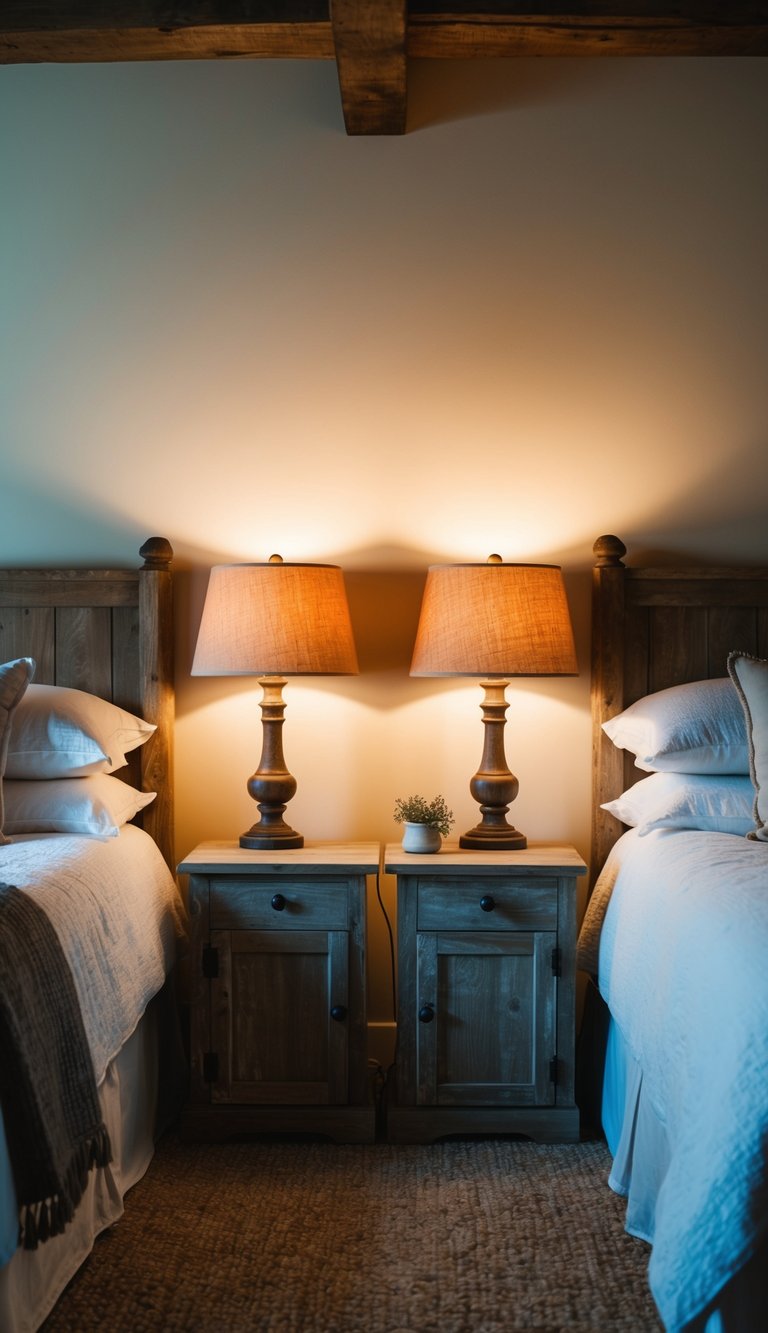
(441, 92)
(40, 527)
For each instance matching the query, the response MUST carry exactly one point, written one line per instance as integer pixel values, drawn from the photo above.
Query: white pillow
(750, 676)
(14, 680)
(63, 733)
(719, 804)
(694, 728)
(98, 805)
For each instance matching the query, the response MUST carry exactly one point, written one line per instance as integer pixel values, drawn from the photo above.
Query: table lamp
(495, 621)
(274, 620)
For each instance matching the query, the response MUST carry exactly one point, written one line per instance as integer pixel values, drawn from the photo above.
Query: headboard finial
(157, 553)
(609, 551)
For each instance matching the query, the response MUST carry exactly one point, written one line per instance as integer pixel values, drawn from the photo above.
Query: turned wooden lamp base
(493, 786)
(272, 786)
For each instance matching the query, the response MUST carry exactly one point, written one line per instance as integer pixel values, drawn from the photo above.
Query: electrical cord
(391, 946)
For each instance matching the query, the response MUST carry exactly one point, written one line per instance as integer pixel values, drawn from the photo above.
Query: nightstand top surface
(229, 858)
(544, 858)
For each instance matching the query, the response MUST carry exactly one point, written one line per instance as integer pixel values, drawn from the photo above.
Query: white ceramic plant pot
(421, 838)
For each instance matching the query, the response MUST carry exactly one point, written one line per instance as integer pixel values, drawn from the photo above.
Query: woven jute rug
(308, 1237)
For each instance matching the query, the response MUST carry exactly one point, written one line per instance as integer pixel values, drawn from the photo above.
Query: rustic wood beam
(369, 39)
(368, 34)
(109, 30)
(468, 36)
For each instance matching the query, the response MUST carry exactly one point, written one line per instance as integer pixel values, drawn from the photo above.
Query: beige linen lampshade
(494, 621)
(274, 620)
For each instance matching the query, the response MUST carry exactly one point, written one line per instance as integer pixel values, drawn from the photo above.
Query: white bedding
(677, 931)
(118, 912)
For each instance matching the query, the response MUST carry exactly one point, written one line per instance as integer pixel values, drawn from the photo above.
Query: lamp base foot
(271, 842)
(494, 840)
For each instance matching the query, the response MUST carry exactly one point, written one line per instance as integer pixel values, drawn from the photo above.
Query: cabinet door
(485, 1018)
(279, 1017)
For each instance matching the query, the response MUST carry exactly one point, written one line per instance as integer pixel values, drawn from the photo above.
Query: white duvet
(677, 930)
(117, 911)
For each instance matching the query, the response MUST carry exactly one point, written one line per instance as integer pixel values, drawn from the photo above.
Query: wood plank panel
(29, 632)
(125, 658)
(696, 588)
(156, 689)
(475, 987)
(78, 587)
(678, 646)
(762, 633)
(84, 649)
(730, 629)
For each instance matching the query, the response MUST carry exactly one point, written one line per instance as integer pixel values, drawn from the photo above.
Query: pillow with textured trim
(693, 728)
(14, 679)
(750, 676)
(720, 804)
(98, 805)
(64, 733)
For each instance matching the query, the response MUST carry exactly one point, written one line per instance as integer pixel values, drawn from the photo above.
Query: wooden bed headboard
(652, 628)
(110, 632)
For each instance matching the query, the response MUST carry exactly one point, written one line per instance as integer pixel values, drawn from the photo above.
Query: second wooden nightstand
(486, 984)
(278, 1015)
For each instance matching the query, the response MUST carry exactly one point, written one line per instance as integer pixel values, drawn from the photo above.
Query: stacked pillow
(705, 745)
(58, 750)
(750, 677)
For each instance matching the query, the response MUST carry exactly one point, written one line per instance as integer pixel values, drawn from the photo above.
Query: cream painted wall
(539, 316)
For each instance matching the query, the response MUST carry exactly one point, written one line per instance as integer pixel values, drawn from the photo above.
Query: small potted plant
(425, 822)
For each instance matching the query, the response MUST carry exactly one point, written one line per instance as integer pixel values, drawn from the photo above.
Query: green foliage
(417, 810)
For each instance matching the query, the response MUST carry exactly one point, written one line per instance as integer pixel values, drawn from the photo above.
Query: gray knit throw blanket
(48, 1091)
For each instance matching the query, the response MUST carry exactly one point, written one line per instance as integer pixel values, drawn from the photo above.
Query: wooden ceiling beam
(227, 41)
(369, 41)
(474, 36)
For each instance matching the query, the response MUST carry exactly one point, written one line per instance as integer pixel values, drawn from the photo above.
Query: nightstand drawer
(486, 904)
(278, 904)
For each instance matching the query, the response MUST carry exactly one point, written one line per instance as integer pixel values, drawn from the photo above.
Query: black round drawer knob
(339, 1013)
(278, 902)
(426, 1013)
(487, 903)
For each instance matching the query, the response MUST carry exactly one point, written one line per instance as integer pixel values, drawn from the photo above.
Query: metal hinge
(210, 961)
(210, 1067)
(557, 962)
(553, 1066)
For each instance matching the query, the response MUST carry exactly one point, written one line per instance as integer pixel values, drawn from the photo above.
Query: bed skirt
(136, 1107)
(640, 1148)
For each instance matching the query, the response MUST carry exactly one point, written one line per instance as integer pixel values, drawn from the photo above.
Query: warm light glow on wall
(537, 318)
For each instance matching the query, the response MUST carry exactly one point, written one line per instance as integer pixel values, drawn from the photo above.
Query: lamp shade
(275, 619)
(494, 619)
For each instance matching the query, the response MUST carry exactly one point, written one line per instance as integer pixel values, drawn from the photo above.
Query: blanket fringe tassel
(49, 1217)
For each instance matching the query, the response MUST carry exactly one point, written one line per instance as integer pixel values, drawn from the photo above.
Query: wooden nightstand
(486, 993)
(278, 1015)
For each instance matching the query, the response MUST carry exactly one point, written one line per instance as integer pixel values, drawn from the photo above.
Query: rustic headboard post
(607, 689)
(156, 684)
